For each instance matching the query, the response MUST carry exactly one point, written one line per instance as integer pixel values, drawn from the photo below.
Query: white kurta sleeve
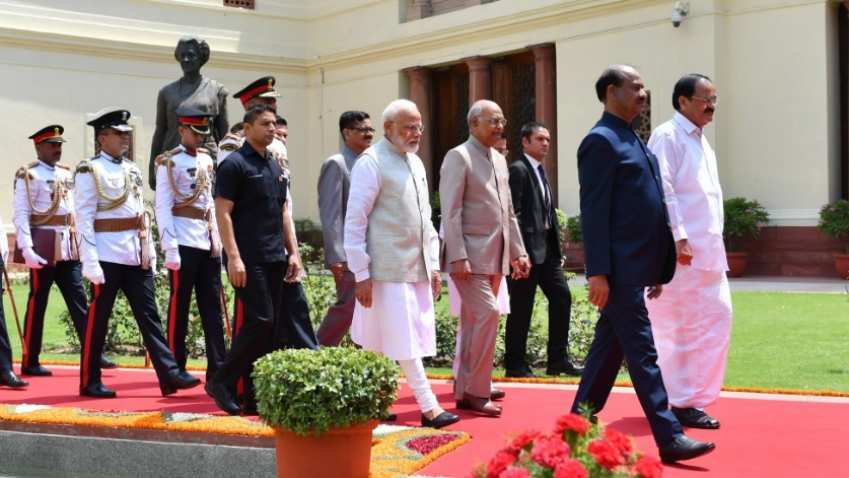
(85, 199)
(663, 146)
(365, 186)
(20, 216)
(164, 218)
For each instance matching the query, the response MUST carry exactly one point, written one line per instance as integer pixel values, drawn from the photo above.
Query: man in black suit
(534, 208)
(629, 248)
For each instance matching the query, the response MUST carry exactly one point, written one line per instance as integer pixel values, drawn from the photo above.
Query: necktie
(546, 196)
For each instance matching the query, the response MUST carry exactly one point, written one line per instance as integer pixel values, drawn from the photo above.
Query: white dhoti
(691, 324)
(400, 322)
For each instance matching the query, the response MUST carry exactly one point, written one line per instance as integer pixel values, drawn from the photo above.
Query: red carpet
(761, 435)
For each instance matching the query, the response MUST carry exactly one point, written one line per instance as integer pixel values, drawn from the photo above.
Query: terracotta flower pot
(737, 262)
(337, 452)
(841, 265)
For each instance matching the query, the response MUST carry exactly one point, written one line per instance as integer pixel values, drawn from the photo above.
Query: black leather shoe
(497, 394)
(442, 420)
(9, 379)
(36, 371)
(105, 363)
(249, 408)
(224, 398)
(179, 381)
(207, 387)
(527, 373)
(684, 448)
(97, 390)
(695, 418)
(564, 369)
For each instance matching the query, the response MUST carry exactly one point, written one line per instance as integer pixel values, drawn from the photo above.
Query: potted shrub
(834, 222)
(571, 240)
(323, 406)
(743, 221)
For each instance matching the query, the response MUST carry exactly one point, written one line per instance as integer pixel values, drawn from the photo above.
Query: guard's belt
(44, 220)
(190, 212)
(118, 224)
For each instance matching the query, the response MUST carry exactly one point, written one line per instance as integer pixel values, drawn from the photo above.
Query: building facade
(780, 65)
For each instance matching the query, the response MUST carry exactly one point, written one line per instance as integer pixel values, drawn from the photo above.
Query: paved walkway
(771, 284)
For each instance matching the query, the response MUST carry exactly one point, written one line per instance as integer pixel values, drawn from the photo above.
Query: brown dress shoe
(480, 405)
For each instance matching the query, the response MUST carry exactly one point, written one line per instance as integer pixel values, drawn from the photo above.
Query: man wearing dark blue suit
(629, 248)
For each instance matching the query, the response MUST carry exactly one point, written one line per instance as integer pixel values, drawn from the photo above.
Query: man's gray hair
(397, 107)
(477, 109)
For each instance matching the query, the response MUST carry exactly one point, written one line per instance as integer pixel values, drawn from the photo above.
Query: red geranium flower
(514, 472)
(605, 454)
(572, 422)
(522, 440)
(570, 469)
(550, 451)
(618, 440)
(500, 462)
(648, 467)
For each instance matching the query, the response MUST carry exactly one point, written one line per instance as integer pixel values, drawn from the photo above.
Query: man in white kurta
(691, 321)
(393, 251)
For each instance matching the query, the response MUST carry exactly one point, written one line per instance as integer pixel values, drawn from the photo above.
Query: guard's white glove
(33, 260)
(172, 259)
(93, 272)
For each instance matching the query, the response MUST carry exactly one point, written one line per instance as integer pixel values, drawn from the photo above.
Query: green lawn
(787, 341)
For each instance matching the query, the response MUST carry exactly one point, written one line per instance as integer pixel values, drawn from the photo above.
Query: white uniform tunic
(121, 247)
(175, 231)
(691, 321)
(400, 322)
(44, 181)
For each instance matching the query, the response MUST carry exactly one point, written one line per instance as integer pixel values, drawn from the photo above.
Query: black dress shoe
(564, 369)
(97, 390)
(180, 381)
(684, 448)
(35, 371)
(249, 408)
(442, 420)
(9, 379)
(224, 398)
(497, 394)
(695, 418)
(526, 373)
(207, 387)
(105, 363)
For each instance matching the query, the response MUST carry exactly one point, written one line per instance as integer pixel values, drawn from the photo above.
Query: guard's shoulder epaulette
(84, 166)
(228, 147)
(165, 158)
(32, 164)
(22, 172)
(232, 137)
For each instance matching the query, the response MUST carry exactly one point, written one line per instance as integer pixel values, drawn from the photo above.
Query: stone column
(479, 80)
(546, 105)
(420, 89)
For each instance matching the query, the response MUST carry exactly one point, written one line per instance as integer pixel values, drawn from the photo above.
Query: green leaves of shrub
(309, 392)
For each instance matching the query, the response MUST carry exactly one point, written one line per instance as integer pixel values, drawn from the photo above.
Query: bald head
(621, 89)
(486, 122)
(614, 75)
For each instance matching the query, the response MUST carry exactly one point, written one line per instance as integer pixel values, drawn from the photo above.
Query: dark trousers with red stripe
(68, 276)
(253, 334)
(137, 285)
(5, 344)
(201, 273)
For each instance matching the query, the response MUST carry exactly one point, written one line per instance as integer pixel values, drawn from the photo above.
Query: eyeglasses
(364, 129)
(712, 100)
(496, 122)
(413, 128)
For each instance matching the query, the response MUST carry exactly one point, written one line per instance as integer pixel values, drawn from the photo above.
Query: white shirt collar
(685, 124)
(534, 163)
(46, 165)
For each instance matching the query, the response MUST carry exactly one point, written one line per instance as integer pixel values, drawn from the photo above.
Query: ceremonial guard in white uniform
(117, 253)
(46, 242)
(188, 232)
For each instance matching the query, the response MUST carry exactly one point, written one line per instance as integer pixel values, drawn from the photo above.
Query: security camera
(679, 11)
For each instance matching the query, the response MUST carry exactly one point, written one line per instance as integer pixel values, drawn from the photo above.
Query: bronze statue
(192, 90)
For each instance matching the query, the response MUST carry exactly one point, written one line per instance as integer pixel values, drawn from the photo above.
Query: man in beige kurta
(482, 241)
